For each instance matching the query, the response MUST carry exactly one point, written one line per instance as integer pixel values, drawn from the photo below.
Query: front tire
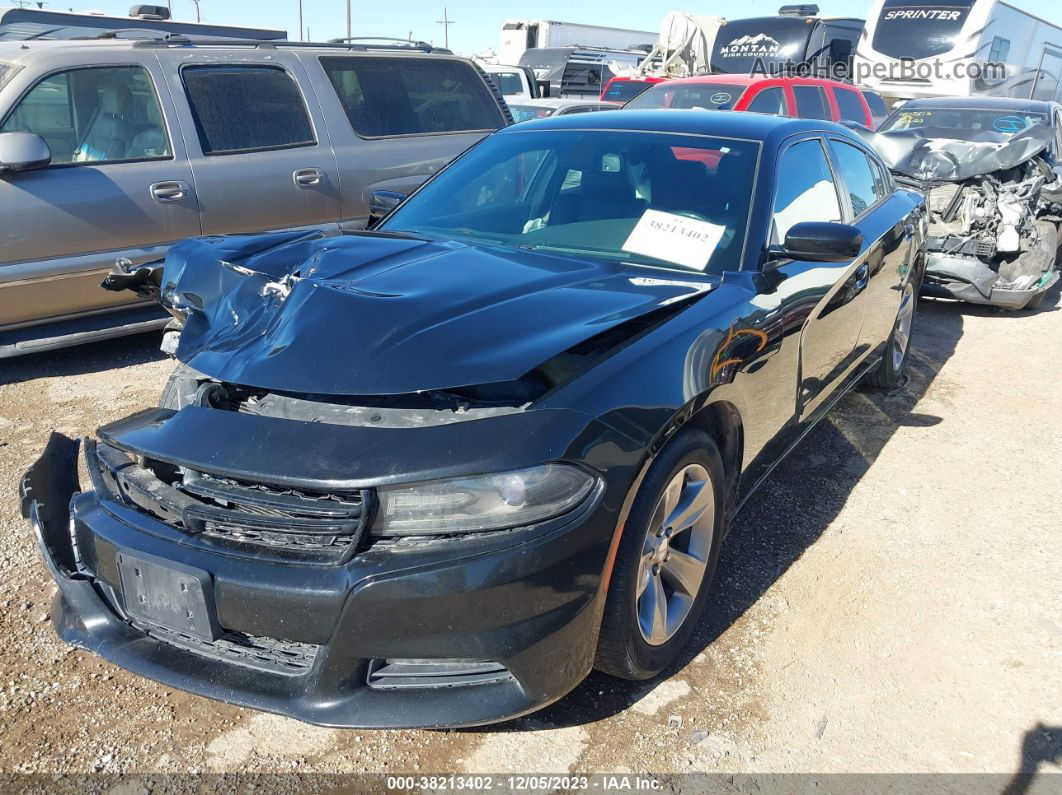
(666, 560)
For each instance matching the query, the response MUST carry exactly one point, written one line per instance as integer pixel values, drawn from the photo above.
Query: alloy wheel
(901, 336)
(674, 554)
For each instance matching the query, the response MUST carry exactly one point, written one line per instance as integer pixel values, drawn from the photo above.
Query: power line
(446, 22)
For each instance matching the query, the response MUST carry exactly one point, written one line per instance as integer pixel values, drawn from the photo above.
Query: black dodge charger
(433, 473)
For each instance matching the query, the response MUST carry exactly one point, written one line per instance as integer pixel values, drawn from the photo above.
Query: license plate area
(168, 594)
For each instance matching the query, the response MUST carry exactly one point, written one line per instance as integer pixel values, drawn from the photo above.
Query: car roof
(979, 102)
(753, 126)
(748, 80)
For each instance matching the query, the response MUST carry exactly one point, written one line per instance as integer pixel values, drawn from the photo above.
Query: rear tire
(687, 480)
(889, 372)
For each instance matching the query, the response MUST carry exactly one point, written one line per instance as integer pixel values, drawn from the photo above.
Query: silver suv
(115, 149)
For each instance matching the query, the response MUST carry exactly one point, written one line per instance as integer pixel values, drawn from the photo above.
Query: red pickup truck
(802, 97)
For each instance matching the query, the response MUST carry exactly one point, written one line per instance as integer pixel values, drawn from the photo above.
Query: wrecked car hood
(912, 153)
(385, 313)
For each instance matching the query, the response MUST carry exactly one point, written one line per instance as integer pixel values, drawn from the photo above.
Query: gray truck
(113, 149)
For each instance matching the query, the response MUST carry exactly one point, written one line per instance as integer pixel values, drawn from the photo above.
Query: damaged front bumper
(443, 633)
(971, 280)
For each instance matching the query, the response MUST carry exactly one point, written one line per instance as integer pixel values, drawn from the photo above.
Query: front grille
(262, 654)
(314, 525)
(420, 674)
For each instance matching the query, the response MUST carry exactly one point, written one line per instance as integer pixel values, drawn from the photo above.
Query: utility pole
(446, 22)
(348, 19)
(196, 4)
(300, 22)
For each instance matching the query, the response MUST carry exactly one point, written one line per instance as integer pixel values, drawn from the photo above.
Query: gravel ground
(890, 601)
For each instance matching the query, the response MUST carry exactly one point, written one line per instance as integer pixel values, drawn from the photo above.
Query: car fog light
(482, 502)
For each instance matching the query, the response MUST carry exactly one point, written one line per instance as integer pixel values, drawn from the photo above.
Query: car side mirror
(816, 241)
(21, 151)
(380, 205)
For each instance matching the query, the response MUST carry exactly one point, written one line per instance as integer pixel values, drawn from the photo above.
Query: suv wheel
(666, 560)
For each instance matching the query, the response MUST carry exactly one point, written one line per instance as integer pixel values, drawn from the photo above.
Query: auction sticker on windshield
(674, 238)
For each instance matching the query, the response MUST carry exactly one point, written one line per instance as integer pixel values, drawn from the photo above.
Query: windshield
(508, 83)
(696, 96)
(963, 123)
(527, 112)
(623, 90)
(919, 28)
(676, 201)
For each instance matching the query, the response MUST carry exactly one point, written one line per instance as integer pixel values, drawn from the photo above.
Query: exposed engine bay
(994, 212)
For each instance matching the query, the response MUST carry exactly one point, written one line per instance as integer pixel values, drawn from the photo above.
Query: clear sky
(477, 25)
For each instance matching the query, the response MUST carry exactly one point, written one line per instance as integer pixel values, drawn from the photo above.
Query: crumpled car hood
(911, 153)
(385, 313)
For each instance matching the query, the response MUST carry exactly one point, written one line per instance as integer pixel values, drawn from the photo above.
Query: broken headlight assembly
(481, 502)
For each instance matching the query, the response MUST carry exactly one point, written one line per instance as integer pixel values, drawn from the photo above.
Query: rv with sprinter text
(922, 48)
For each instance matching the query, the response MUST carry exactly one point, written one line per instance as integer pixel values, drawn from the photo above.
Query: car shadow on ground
(787, 514)
(83, 359)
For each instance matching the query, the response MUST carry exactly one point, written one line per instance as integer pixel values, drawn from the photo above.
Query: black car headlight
(481, 502)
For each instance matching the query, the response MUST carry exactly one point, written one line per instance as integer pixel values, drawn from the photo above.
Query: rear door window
(861, 177)
(386, 96)
(770, 100)
(246, 109)
(811, 102)
(850, 104)
(805, 189)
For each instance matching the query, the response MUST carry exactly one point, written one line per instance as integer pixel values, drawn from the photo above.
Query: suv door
(806, 189)
(119, 185)
(257, 141)
(396, 119)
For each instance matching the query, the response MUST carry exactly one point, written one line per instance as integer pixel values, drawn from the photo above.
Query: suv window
(878, 111)
(806, 192)
(246, 108)
(811, 102)
(95, 115)
(850, 105)
(861, 177)
(770, 100)
(508, 83)
(385, 96)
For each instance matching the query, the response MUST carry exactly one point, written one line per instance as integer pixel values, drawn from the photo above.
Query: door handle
(169, 191)
(307, 177)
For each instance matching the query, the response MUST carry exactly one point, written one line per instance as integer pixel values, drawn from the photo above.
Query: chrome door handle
(169, 191)
(307, 177)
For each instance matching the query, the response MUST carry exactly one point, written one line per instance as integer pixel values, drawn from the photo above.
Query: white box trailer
(524, 34)
(946, 48)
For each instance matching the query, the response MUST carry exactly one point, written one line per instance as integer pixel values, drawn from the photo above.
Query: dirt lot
(891, 601)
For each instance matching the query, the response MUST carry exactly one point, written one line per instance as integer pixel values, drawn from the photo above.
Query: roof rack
(179, 39)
